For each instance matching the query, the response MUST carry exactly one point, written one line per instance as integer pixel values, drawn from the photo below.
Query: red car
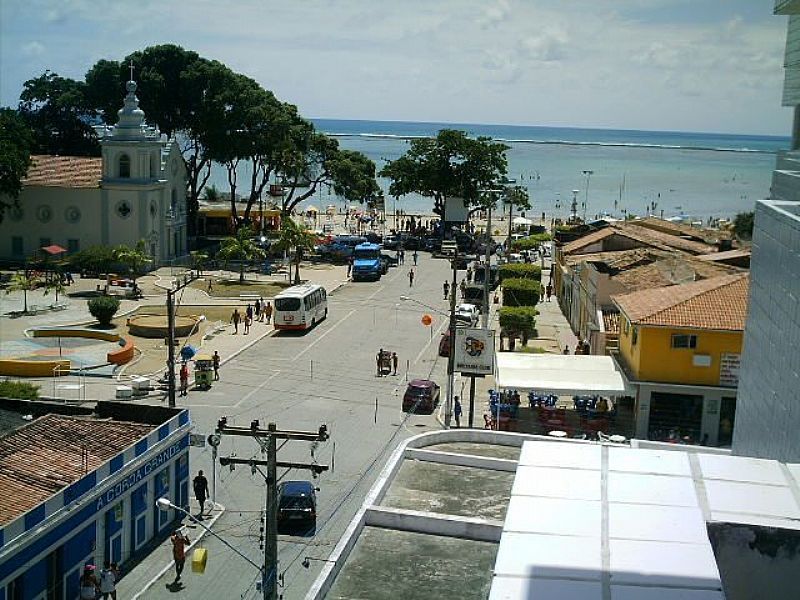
(444, 344)
(422, 395)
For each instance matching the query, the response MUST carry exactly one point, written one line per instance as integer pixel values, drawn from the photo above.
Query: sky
(678, 65)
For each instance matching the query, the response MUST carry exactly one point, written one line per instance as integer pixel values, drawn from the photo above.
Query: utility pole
(588, 174)
(171, 338)
(267, 440)
(451, 359)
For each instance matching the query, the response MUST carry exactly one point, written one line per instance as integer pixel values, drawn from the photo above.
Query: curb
(165, 569)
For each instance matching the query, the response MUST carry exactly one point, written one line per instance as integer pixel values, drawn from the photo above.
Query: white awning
(559, 374)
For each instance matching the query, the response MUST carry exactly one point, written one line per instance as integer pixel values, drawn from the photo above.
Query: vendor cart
(203, 371)
(384, 360)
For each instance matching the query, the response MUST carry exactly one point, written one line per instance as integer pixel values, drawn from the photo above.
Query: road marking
(319, 339)
(375, 293)
(245, 397)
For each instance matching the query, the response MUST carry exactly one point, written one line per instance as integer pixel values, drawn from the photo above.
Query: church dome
(131, 118)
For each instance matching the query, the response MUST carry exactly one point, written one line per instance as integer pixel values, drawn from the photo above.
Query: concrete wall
(768, 409)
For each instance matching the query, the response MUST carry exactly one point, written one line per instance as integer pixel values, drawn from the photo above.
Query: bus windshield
(366, 253)
(287, 303)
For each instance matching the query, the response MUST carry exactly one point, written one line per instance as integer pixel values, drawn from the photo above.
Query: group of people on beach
(260, 311)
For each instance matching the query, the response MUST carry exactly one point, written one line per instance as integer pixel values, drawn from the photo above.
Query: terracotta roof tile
(64, 171)
(719, 303)
(651, 236)
(53, 452)
(586, 240)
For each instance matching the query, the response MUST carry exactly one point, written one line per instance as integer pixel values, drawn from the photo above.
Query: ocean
(697, 175)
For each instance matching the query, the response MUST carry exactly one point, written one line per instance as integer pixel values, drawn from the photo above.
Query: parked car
(297, 506)
(467, 313)
(422, 395)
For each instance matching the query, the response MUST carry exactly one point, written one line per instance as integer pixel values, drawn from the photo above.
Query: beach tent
(521, 221)
(560, 374)
(312, 209)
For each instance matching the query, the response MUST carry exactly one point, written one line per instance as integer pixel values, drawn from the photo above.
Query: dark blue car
(297, 506)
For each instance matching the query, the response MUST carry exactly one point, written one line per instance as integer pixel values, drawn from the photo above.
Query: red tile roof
(64, 171)
(719, 303)
(588, 239)
(53, 452)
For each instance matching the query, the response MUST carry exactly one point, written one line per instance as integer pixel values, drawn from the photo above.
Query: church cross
(131, 66)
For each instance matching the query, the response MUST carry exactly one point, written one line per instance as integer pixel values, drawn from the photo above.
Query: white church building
(135, 191)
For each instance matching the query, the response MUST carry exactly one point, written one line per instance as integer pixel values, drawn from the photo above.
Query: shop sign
(729, 369)
(137, 476)
(474, 351)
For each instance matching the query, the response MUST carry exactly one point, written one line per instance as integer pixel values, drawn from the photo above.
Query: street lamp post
(165, 504)
(587, 174)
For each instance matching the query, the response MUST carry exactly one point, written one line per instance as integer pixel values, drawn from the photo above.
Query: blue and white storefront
(109, 514)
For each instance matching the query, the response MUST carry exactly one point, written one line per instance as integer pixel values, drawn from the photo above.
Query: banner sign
(729, 369)
(474, 351)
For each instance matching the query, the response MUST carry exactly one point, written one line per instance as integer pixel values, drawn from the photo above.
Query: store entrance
(675, 418)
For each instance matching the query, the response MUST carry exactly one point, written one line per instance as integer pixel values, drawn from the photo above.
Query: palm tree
(134, 258)
(198, 258)
(23, 282)
(240, 247)
(55, 285)
(298, 237)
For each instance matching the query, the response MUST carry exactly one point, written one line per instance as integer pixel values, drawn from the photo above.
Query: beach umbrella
(312, 209)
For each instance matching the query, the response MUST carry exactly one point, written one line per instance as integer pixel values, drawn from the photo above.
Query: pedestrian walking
(566, 350)
(415, 256)
(261, 312)
(446, 289)
(378, 361)
(268, 312)
(402, 256)
(88, 586)
(394, 362)
(349, 266)
(108, 581)
(247, 320)
(549, 290)
(463, 288)
(200, 486)
(469, 274)
(257, 309)
(457, 411)
(184, 379)
(411, 278)
(215, 360)
(235, 318)
(210, 287)
(179, 542)
(249, 311)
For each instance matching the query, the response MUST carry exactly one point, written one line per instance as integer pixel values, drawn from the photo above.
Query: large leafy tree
(743, 225)
(15, 157)
(240, 247)
(450, 165)
(58, 113)
(321, 162)
(294, 236)
(136, 258)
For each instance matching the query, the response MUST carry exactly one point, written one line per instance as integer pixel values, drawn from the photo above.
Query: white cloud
(547, 46)
(32, 48)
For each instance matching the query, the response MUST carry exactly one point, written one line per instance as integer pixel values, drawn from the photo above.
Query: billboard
(474, 351)
(455, 210)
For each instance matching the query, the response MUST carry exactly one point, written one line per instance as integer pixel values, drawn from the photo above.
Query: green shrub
(518, 320)
(103, 309)
(519, 271)
(94, 259)
(531, 242)
(19, 389)
(521, 292)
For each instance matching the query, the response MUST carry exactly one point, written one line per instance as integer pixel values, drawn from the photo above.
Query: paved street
(301, 381)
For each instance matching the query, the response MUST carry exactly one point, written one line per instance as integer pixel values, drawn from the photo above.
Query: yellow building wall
(656, 360)
(631, 354)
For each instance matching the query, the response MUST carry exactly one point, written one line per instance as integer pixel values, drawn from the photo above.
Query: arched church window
(125, 166)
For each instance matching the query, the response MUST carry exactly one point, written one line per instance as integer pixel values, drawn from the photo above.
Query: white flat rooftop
(589, 522)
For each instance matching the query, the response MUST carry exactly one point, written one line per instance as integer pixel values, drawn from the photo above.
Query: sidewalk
(158, 562)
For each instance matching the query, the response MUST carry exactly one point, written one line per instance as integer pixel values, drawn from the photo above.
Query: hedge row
(519, 320)
(521, 292)
(531, 242)
(519, 271)
(19, 389)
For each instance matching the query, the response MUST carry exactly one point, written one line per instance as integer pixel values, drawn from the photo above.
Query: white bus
(300, 307)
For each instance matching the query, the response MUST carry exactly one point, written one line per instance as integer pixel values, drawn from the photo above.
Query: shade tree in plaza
(451, 165)
(295, 237)
(241, 248)
(135, 259)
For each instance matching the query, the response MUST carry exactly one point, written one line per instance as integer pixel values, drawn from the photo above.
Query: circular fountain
(155, 326)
